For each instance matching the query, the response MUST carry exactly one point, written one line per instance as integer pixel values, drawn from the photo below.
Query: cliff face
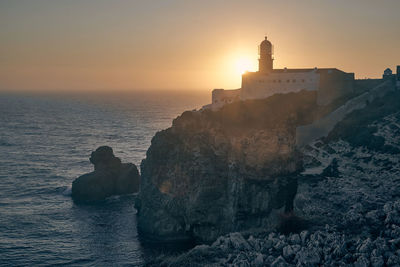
(349, 192)
(216, 172)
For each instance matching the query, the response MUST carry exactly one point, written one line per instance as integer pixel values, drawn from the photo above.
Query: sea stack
(110, 177)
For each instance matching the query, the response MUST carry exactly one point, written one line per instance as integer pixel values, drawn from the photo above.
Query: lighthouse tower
(265, 62)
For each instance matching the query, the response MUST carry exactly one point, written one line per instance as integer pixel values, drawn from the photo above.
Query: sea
(45, 143)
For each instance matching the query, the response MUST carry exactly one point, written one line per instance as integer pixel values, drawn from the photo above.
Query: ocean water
(45, 143)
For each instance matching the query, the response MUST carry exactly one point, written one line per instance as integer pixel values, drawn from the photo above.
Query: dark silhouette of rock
(103, 159)
(110, 177)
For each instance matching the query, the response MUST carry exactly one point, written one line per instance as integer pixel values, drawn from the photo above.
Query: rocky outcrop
(110, 177)
(324, 247)
(355, 169)
(349, 192)
(213, 173)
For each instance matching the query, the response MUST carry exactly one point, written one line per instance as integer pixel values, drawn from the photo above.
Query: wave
(4, 143)
(67, 191)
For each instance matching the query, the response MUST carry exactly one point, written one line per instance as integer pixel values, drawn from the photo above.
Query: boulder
(110, 177)
(332, 169)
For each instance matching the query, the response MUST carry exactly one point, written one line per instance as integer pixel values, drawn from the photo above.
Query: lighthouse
(329, 83)
(265, 62)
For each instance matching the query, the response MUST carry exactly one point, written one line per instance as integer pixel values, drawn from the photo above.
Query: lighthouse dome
(265, 44)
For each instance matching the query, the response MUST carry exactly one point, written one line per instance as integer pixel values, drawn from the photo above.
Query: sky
(93, 45)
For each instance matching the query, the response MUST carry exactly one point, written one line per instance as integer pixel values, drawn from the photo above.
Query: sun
(244, 64)
(234, 65)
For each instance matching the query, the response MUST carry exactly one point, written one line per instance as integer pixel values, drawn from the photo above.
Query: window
(279, 81)
(294, 80)
(288, 81)
(303, 80)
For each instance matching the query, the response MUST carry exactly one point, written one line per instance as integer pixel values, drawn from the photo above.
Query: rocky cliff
(349, 191)
(213, 173)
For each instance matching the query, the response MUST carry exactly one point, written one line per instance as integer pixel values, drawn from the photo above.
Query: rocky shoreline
(235, 182)
(325, 247)
(347, 192)
(350, 195)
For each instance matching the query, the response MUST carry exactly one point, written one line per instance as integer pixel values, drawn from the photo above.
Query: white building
(329, 83)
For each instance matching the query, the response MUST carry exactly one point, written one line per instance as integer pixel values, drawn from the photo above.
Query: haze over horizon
(131, 45)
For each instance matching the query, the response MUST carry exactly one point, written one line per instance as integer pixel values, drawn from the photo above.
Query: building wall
(256, 85)
(330, 84)
(363, 85)
(222, 97)
(333, 85)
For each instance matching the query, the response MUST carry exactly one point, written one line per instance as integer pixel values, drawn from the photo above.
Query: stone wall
(333, 85)
(363, 85)
(221, 97)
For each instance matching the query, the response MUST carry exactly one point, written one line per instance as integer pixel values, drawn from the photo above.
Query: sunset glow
(140, 132)
(131, 45)
(245, 64)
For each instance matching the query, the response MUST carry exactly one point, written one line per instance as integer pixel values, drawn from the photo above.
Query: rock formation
(110, 177)
(213, 173)
(349, 192)
(355, 169)
(324, 247)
